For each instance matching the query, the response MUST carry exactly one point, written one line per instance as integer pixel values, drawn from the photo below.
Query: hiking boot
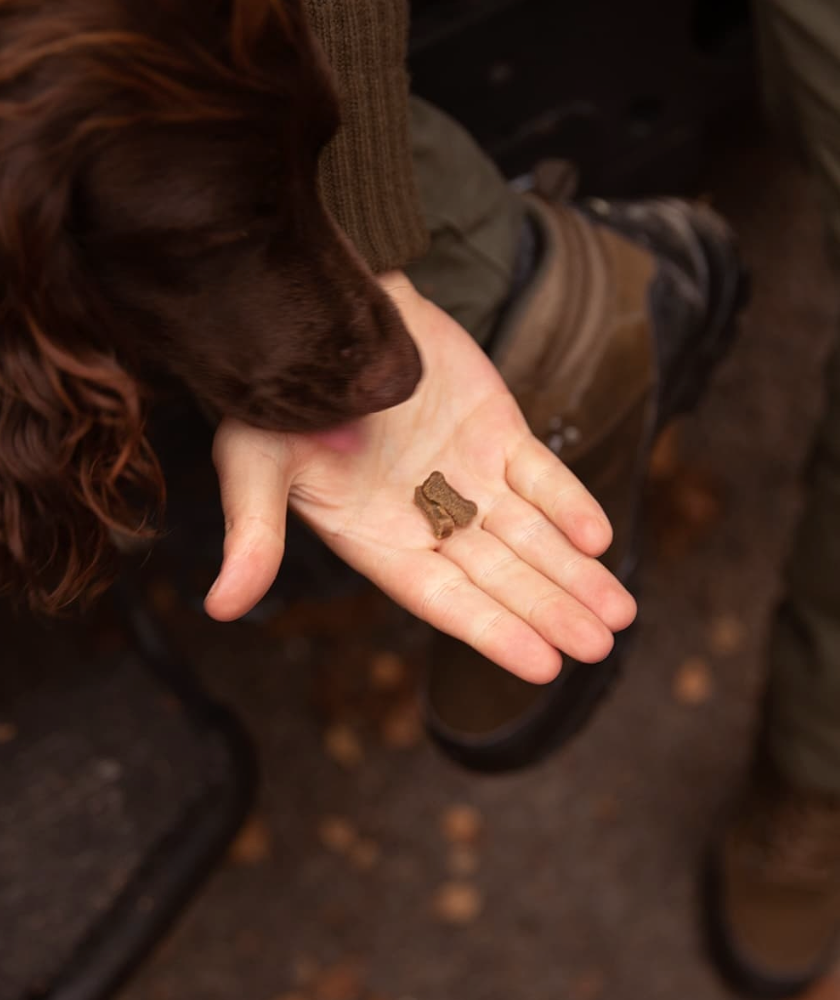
(772, 890)
(628, 309)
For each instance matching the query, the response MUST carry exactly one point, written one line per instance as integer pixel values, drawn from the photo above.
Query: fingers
(431, 587)
(559, 617)
(528, 533)
(254, 473)
(536, 475)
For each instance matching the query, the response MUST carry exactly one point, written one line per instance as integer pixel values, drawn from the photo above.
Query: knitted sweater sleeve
(367, 176)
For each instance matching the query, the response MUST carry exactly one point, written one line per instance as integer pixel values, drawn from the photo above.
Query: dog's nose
(389, 379)
(392, 370)
(393, 367)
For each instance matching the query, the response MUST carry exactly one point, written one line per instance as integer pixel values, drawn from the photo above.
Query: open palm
(518, 584)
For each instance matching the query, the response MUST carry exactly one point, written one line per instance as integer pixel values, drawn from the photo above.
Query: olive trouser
(477, 223)
(800, 47)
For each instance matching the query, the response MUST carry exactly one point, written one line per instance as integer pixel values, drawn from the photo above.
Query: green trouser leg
(803, 710)
(800, 42)
(474, 219)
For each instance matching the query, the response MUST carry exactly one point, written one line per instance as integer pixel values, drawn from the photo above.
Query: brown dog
(159, 212)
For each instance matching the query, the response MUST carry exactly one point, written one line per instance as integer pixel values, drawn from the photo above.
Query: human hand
(518, 584)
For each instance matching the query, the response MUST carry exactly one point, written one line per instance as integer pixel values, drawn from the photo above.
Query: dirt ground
(374, 869)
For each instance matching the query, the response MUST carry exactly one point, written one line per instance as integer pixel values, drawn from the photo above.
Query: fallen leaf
(462, 824)
(387, 671)
(693, 682)
(365, 854)
(342, 745)
(342, 981)
(457, 903)
(727, 634)
(8, 732)
(252, 845)
(402, 726)
(337, 834)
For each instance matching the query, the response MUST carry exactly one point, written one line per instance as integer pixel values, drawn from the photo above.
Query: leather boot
(772, 889)
(629, 308)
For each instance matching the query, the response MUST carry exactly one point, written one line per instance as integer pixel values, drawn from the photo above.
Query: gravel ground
(374, 869)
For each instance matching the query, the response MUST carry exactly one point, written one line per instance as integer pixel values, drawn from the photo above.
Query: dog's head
(159, 212)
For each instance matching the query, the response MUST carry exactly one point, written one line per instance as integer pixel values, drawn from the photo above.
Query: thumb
(255, 472)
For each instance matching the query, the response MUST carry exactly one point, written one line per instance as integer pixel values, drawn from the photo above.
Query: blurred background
(264, 789)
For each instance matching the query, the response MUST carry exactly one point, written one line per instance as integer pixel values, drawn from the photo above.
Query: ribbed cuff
(367, 174)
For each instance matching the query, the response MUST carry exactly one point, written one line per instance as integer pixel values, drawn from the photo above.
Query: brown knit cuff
(367, 174)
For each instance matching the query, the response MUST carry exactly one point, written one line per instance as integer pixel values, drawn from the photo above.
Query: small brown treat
(461, 510)
(442, 524)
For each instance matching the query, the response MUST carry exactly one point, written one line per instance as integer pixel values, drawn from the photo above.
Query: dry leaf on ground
(337, 834)
(365, 854)
(253, 843)
(342, 745)
(462, 824)
(727, 634)
(693, 682)
(387, 671)
(402, 726)
(457, 903)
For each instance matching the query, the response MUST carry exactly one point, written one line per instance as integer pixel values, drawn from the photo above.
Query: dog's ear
(77, 474)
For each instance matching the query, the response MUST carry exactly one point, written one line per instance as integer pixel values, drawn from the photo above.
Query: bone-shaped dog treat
(445, 508)
(442, 524)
